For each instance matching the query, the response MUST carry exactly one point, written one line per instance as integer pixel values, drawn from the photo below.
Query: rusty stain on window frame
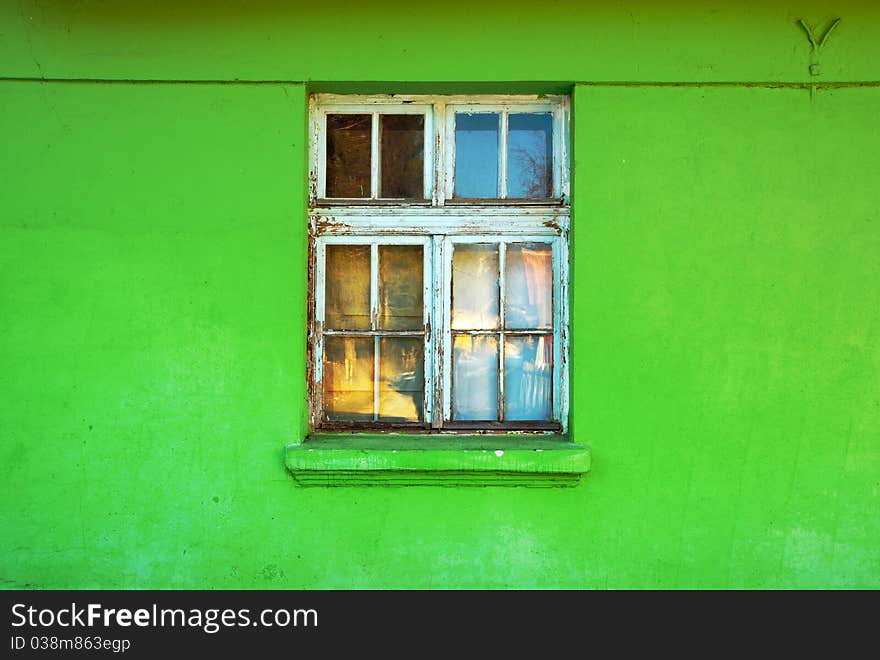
(439, 222)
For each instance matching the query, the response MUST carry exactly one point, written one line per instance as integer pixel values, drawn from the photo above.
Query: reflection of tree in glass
(534, 171)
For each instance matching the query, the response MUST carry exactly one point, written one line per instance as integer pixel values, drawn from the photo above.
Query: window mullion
(429, 331)
(319, 153)
(375, 161)
(438, 331)
(502, 255)
(438, 149)
(558, 144)
(502, 156)
(448, 162)
(374, 285)
(318, 356)
(376, 378)
(560, 334)
(374, 322)
(444, 259)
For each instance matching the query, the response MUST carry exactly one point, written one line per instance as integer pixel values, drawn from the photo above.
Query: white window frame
(558, 169)
(558, 333)
(437, 223)
(374, 242)
(373, 108)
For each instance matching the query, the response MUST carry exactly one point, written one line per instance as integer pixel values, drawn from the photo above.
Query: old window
(439, 262)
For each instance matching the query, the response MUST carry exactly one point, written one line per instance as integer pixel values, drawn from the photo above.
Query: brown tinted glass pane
(348, 379)
(400, 287)
(347, 287)
(528, 373)
(474, 377)
(403, 161)
(401, 379)
(529, 286)
(475, 286)
(349, 140)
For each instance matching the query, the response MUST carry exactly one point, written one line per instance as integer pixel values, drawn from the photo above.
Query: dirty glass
(401, 287)
(529, 286)
(349, 142)
(347, 287)
(528, 371)
(475, 286)
(403, 156)
(474, 377)
(529, 155)
(348, 379)
(401, 379)
(476, 155)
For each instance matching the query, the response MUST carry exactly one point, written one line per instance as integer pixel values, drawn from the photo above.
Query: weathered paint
(725, 275)
(816, 44)
(437, 223)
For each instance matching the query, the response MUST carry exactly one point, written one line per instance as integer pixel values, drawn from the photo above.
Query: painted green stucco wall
(726, 278)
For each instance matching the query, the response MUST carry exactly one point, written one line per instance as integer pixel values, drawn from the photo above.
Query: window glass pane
(528, 287)
(475, 286)
(476, 155)
(528, 372)
(529, 155)
(348, 379)
(403, 160)
(474, 377)
(401, 287)
(401, 379)
(347, 287)
(349, 142)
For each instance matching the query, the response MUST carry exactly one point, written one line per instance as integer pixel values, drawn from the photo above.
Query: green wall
(726, 266)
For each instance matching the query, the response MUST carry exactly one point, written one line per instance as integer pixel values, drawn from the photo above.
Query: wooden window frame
(438, 222)
(504, 109)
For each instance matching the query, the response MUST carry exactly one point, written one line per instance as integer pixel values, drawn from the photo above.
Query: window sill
(407, 460)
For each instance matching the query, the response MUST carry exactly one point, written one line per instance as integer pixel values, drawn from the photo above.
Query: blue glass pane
(474, 377)
(476, 155)
(528, 372)
(529, 155)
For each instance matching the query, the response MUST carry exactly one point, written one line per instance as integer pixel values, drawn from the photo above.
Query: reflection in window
(529, 155)
(401, 379)
(438, 256)
(475, 286)
(348, 379)
(525, 336)
(476, 155)
(347, 305)
(403, 156)
(374, 361)
(400, 287)
(474, 378)
(349, 144)
(529, 290)
(528, 384)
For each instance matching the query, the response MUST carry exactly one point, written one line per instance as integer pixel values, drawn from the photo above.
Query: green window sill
(408, 460)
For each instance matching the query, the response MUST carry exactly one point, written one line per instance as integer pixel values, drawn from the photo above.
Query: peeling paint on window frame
(438, 222)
